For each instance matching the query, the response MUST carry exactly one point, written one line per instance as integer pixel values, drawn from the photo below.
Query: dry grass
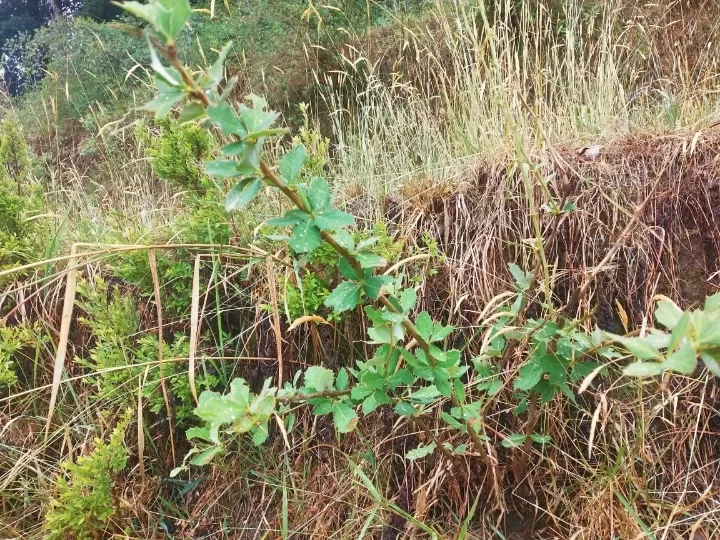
(461, 133)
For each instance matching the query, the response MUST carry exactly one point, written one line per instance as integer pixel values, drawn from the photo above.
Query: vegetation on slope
(453, 138)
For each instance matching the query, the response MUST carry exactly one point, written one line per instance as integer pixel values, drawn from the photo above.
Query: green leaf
(668, 314)
(169, 75)
(260, 434)
(166, 99)
(638, 347)
(322, 406)
(712, 362)
(223, 168)
(198, 433)
(191, 112)
(217, 70)
(306, 237)
(440, 332)
(292, 163)
(403, 408)
(344, 417)
(459, 389)
(256, 120)
(342, 379)
(643, 369)
(369, 260)
(242, 193)
(370, 404)
(344, 297)
(225, 118)
(450, 421)
(408, 298)
(331, 220)
(167, 16)
(206, 456)
(681, 330)
(247, 154)
(529, 375)
(319, 195)
(345, 239)
(213, 409)
(541, 439)
(374, 285)
(522, 279)
(684, 360)
(421, 451)
(712, 303)
(286, 220)
(319, 378)
(348, 271)
(514, 440)
(424, 325)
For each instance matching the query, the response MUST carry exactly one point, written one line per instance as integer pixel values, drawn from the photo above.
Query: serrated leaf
(242, 193)
(168, 17)
(260, 434)
(643, 369)
(319, 195)
(322, 406)
(213, 409)
(331, 220)
(284, 221)
(345, 239)
(374, 285)
(514, 440)
(305, 237)
(638, 347)
(529, 375)
(684, 360)
(369, 404)
(369, 260)
(421, 451)
(341, 382)
(424, 325)
(198, 433)
(169, 75)
(541, 439)
(522, 280)
(292, 163)
(344, 417)
(668, 314)
(206, 456)
(319, 378)
(225, 118)
(217, 70)
(408, 298)
(440, 332)
(348, 270)
(344, 297)
(191, 112)
(168, 96)
(257, 121)
(403, 408)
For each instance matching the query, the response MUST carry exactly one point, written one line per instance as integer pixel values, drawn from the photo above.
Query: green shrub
(122, 353)
(21, 239)
(13, 341)
(84, 498)
(177, 152)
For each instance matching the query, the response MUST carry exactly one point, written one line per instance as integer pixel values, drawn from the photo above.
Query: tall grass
(479, 79)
